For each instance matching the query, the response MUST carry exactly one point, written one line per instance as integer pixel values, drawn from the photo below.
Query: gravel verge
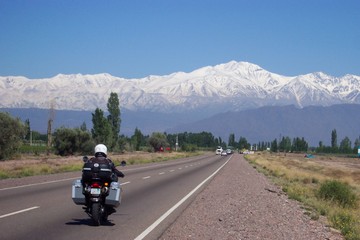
(240, 203)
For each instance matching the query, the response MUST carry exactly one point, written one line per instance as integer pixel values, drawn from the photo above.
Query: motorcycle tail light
(95, 185)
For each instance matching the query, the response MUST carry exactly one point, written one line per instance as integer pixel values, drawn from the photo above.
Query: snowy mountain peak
(228, 86)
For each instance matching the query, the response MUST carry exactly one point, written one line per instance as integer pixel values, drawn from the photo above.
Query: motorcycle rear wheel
(96, 213)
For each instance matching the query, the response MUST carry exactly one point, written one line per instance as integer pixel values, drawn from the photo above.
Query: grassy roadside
(327, 186)
(29, 165)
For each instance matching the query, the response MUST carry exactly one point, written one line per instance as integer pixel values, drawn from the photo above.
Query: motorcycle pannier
(114, 197)
(76, 194)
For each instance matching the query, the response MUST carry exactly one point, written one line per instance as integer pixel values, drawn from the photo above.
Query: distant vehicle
(218, 150)
(248, 152)
(229, 151)
(223, 153)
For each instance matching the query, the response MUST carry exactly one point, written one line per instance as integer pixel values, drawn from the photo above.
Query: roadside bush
(338, 192)
(189, 148)
(70, 141)
(158, 140)
(11, 134)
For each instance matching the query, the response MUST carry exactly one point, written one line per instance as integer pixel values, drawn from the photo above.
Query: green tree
(285, 144)
(231, 141)
(27, 129)
(299, 145)
(334, 139)
(65, 141)
(113, 107)
(158, 140)
(137, 139)
(243, 143)
(192, 140)
(69, 141)
(123, 142)
(274, 146)
(11, 134)
(356, 145)
(345, 145)
(83, 127)
(85, 143)
(101, 131)
(38, 137)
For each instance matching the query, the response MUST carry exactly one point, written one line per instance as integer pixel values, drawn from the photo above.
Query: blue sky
(134, 39)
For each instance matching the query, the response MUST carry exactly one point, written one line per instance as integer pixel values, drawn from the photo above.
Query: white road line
(42, 183)
(17, 212)
(35, 184)
(172, 170)
(161, 173)
(146, 177)
(166, 214)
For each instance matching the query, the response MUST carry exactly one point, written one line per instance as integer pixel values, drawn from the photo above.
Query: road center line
(17, 212)
(166, 214)
(146, 177)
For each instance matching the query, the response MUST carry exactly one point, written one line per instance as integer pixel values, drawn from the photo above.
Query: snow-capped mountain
(230, 86)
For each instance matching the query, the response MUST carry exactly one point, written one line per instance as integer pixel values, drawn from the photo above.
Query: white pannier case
(77, 192)
(114, 198)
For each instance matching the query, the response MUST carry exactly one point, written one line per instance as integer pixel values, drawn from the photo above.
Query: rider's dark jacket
(100, 159)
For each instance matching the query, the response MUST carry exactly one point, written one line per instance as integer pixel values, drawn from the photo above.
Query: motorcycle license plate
(95, 191)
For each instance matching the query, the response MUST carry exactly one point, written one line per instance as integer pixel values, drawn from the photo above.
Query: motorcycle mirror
(85, 158)
(123, 163)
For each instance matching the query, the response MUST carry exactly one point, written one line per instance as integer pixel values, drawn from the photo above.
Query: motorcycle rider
(101, 158)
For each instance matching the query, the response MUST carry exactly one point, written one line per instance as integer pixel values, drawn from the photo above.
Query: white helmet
(101, 148)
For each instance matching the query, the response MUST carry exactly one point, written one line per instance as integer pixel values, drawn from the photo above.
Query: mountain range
(192, 101)
(232, 86)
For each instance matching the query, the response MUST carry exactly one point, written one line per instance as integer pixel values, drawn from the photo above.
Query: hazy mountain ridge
(314, 123)
(229, 86)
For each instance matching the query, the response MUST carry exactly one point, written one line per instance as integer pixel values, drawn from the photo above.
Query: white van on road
(218, 151)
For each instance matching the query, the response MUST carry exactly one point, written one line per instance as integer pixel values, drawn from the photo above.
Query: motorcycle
(98, 190)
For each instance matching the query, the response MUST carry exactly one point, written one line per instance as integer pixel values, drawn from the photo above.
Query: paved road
(151, 194)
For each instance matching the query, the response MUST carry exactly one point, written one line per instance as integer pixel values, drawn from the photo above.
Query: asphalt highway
(153, 196)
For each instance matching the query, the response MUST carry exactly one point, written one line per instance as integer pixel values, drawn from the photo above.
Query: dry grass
(29, 165)
(302, 177)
